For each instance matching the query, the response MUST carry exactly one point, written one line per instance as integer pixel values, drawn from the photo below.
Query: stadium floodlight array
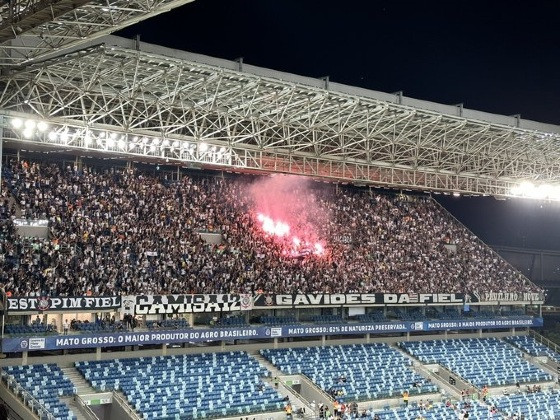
(207, 152)
(117, 142)
(541, 192)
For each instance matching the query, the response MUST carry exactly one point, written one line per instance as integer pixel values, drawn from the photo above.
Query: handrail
(298, 395)
(87, 411)
(545, 341)
(456, 376)
(27, 397)
(310, 383)
(124, 404)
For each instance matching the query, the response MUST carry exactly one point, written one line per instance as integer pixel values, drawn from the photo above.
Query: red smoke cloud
(286, 208)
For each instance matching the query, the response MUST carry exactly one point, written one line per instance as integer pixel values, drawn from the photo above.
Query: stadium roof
(31, 30)
(125, 97)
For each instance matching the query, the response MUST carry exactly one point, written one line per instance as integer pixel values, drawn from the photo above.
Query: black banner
(178, 304)
(535, 297)
(66, 304)
(358, 299)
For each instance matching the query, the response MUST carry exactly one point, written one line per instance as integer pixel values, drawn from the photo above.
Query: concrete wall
(118, 411)
(15, 404)
(308, 390)
(103, 411)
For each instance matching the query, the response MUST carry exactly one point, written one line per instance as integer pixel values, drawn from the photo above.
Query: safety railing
(124, 404)
(86, 409)
(27, 398)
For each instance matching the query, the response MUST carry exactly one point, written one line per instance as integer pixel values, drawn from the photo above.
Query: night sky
(495, 56)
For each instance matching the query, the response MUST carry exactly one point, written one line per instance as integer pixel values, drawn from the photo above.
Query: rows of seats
(93, 327)
(535, 406)
(449, 314)
(277, 320)
(483, 314)
(411, 315)
(375, 316)
(169, 324)
(514, 313)
(46, 384)
(353, 372)
(232, 321)
(533, 347)
(437, 411)
(326, 319)
(16, 329)
(487, 361)
(189, 386)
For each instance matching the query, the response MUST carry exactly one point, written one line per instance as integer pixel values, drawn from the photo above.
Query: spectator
(123, 232)
(405, 398)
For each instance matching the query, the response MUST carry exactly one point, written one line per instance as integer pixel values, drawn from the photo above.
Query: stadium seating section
(232, 321)
(16, 329)
(107, 226)
(372, 371)
(326, 319)
(167, 324)
(481, 362)
(531, 346)
(277, 320)
(411, 315)
(46, 384)
(376, 316)
(191, 386)
(93, 327)
(436, 411)
(534, 406)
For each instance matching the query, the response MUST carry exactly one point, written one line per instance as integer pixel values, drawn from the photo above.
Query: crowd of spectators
(126, 232)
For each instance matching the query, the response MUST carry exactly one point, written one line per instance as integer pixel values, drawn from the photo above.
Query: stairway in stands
(284, 390)
(82, 386)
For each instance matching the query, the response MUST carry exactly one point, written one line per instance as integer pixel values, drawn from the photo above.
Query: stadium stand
(411, 315)
(17, 329)
(533, 347)
(481, 362)
(353, 372)
(326, 319)
(375, 316)
(436, 411)
(190, 386)
(231, 321)
(167, 324)
(46, 384)
(277, 320)
(534, 406)
(108, 226)
(92, 327)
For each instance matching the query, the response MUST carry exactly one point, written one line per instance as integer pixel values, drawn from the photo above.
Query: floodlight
(17, 123)
(42, 126)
